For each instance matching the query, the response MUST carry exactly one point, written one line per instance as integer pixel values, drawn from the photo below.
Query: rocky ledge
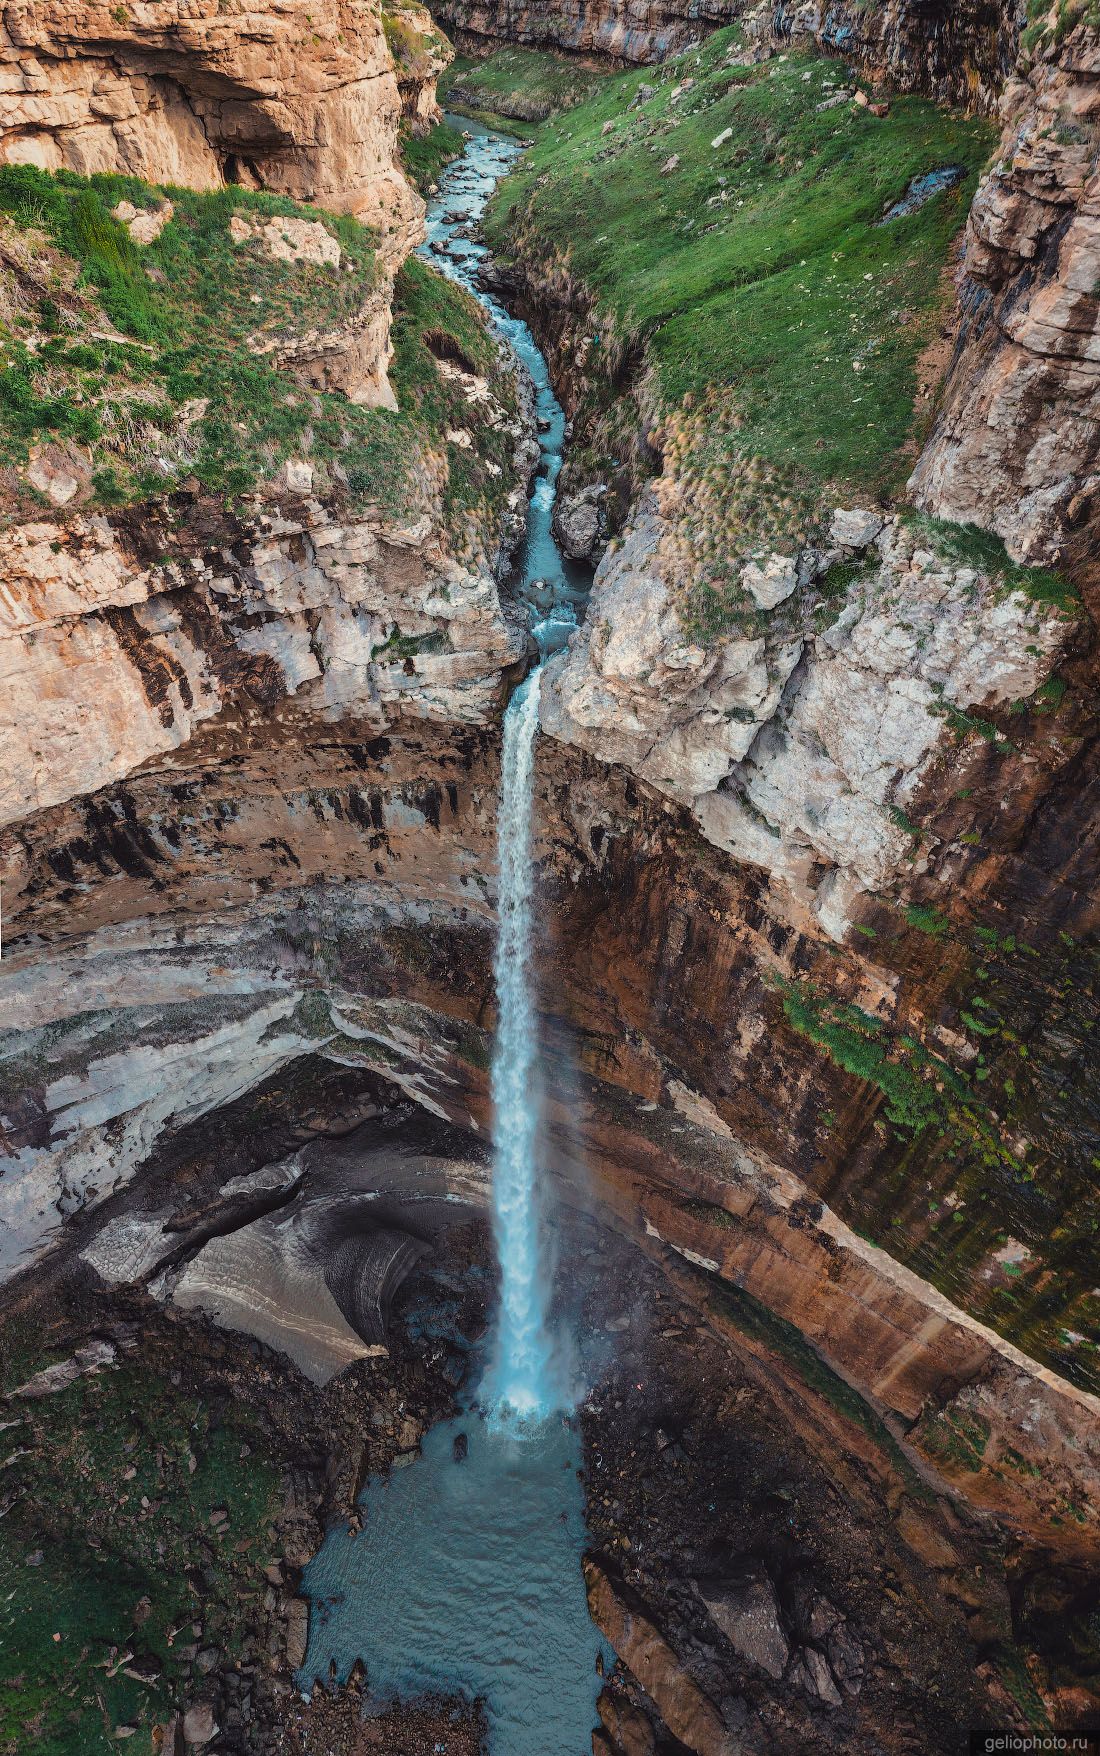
(961, 53)
(800, 739)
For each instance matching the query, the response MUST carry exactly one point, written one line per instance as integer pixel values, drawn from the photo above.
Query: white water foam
(521, 1377)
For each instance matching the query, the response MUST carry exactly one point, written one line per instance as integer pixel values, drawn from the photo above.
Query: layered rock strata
(800, 742)
(209, 928)
(113, 660)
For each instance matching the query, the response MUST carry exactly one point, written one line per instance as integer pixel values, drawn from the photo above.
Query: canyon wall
(1016, 442)
(251, 798)
(961, 53)
(211, 94)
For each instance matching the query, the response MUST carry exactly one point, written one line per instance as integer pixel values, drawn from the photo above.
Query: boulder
(854, 528)
(771, 581)
(144, 224)
(199, 1725)
(577, 523)
(810, 1673)
(745, 1609)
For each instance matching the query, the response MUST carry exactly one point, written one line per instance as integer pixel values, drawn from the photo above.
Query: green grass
(920, 1089)
(967, 545)
(771, 325)
(927, 920)
(199, 399)
(113, 1575)
(525, 85)
(976, 1146)
(423, 156)
(1050, 21)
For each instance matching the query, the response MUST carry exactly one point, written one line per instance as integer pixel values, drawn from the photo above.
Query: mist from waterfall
(521, 1378)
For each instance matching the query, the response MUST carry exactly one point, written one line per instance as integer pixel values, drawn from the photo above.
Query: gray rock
(854, 528)
(811, 1674)
(577, 523)
(846, 1658)
(745, 1609)
(199, 1724)
(297, 1631)
(86, 1360)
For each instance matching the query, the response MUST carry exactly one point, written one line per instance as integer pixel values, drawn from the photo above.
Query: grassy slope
(423, 156)
(193, 299)
(90, 1456)
(518, 85)
(760, 281)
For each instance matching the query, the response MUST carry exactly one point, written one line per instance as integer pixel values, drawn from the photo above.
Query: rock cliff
(1016, 442)
(819, 877)
(211, 94)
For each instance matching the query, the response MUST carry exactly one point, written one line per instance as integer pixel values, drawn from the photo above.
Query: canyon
(813, 807)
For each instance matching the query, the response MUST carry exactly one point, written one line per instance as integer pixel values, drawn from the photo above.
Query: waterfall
(520, 1379)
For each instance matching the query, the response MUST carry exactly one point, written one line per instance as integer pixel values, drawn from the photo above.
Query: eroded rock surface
(213, 93)
(1017, 442)
(111, 658)
(961, 53)
(798, 741)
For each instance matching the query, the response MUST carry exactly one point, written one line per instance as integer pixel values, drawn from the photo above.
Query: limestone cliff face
(112, 659)
(301, 101)
(1016, 447)
(327, 898)
(801, 743)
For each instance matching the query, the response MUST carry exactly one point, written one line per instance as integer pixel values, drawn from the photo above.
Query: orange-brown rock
(683, 1707)
(301, 100)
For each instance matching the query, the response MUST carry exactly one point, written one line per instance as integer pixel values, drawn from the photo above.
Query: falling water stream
(466, 1578)
(520, 1383)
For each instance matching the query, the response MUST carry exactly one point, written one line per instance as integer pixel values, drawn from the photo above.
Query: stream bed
(554, 588)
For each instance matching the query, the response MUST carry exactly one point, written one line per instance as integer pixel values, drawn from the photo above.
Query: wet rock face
(323, 905)
(211, 94)
(1016, 447)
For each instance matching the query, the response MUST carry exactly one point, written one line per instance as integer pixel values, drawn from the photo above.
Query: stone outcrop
(801, 743)
(327, 900)
(293, 100)
(1016, 446)
(111, 659)
(682, 1705)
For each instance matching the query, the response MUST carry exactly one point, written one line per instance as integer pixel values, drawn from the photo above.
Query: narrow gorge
(550, 1099)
